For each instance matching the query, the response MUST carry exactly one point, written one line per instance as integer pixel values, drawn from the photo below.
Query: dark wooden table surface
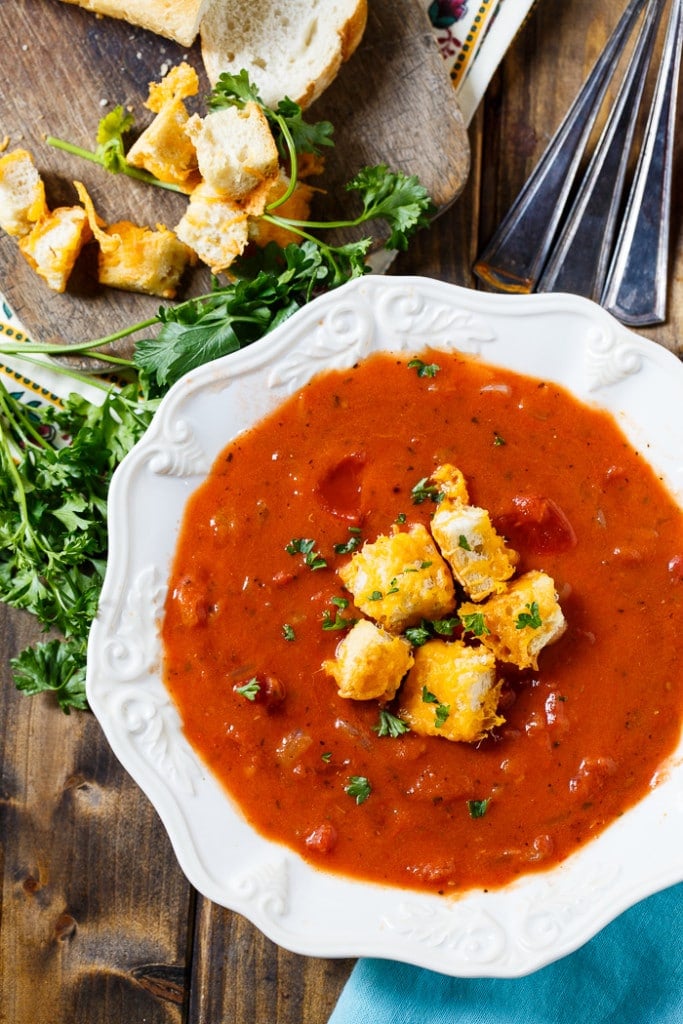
(97, 923)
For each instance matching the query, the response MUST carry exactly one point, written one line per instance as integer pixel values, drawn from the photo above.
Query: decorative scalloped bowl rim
(503, 933)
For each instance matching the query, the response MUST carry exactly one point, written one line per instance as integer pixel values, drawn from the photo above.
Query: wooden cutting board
(64, 69)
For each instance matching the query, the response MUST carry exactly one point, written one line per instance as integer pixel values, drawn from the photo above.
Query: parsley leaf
(424, 369)
(424, 491)
(358, 787)
(475, 623)
(398, 199)
(250, 689)
(390, 725)
(530, 619)
(478, 808)
(306, 546)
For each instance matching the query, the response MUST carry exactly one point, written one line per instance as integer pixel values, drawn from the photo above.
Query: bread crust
(175, 19)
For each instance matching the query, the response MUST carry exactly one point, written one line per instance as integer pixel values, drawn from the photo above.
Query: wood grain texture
(97, 923)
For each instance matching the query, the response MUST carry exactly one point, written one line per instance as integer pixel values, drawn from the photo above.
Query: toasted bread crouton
(369, 663)
(143, 260)
(522, 621)
(134, 258)
(164, 148)
(451, 484)
(236, 150)
(214, 227)
(479, 557)
(297, 207)
(22, 193)
(400, 579)
(451, 691)
(54, 244)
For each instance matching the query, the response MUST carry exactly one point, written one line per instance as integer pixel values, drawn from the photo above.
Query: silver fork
(525, 253)
(637, 283)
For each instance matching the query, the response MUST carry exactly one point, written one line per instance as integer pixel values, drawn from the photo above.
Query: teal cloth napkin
(630, 973)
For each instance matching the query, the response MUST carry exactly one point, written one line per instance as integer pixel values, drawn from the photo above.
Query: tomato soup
(255, 607)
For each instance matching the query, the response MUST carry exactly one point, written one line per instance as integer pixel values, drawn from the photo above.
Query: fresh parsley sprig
(53, 528)
(110, 152)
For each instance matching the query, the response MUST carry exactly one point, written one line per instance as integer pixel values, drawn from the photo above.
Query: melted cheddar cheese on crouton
(479, 557)
(296, 207)
(54, 244)
(236, 151)
(400, 579)
(135, 258)
(214, 227)
(522, 621)
(143, 260)
(22, 193)
(165, 148)
(451, 691)
(369, 663)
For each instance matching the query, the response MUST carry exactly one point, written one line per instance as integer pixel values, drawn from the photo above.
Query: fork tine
(580, 257)
(515, 255)
(636, 287)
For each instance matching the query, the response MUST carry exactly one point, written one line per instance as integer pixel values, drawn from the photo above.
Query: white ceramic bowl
(505, 933)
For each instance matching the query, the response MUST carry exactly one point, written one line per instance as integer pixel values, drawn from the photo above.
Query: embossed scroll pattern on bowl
(505, 933)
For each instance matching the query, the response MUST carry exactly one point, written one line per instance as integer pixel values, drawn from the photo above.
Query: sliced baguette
(174, 19)
(290, 48)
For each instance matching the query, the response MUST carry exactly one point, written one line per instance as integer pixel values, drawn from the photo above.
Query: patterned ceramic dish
(504, 933)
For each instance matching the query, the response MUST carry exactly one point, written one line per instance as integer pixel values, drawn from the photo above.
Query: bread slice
(290, 48)
(174, 19)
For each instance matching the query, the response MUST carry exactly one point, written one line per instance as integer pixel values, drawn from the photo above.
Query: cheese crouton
(479, 557)
(54, 244)
(143, 260)
(522, 621)
(134, 258)
(400, 579)
(214, 227)
(22, 193)
(164, 148)
(236, 150)
(297, 207)
(369, 663)
(451, 691)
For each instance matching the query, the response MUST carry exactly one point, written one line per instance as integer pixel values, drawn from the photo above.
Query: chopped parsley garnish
(306, 547)
(417, 635)
(358, 787)
(478, 808)
(475, 623)
(529, 619)
(445, 627)
(390, 725)
(338, 622)
(498, 440)
(464, 543)
(376, 595)
(424, 369)
(401, 518)
(424, 491)
(288, 632)
(352, 544)
(326, 757)
(250, 689)
(442, 713)
(442, 710)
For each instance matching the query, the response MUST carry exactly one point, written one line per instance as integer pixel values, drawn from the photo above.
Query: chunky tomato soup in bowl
(390, 628)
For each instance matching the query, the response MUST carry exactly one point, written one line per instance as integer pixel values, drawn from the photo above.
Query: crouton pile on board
(443, 687)
(228, 165)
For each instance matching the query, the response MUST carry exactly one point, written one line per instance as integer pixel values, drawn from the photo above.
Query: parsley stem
(17, 348)
(132, 172)
(293, 164)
